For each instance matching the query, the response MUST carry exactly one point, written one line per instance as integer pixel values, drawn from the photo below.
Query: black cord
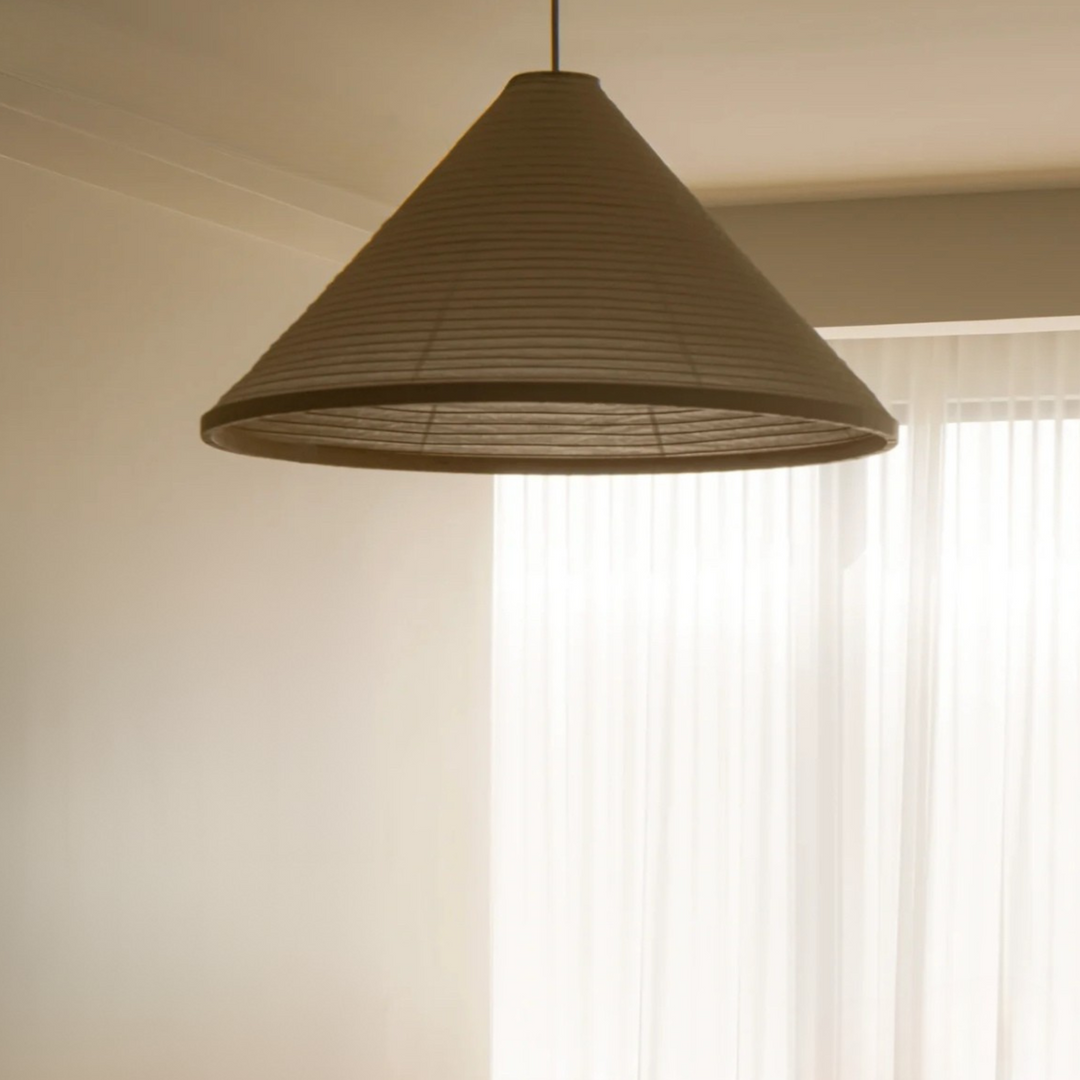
(554, 35)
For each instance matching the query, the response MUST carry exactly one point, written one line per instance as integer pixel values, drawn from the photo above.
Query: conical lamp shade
(551, 299)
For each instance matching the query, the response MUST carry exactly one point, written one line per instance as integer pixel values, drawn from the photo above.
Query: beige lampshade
(551, 299)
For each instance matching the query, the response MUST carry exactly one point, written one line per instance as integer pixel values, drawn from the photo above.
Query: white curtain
(786, 765)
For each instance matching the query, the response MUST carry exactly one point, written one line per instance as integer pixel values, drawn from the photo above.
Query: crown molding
(111, 148)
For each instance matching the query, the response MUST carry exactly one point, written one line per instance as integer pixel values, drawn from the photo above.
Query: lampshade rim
(240, 441)
(223, 427)
(877, 422)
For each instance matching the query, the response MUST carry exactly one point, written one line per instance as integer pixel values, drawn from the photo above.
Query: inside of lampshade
(549, 437)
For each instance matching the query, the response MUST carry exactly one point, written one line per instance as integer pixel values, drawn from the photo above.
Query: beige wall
(243, 704)
(920, 258)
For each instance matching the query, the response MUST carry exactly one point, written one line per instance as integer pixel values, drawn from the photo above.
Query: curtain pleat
(786, 764)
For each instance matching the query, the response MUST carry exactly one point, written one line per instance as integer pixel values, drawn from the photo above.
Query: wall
(918, 258)
(243, 704)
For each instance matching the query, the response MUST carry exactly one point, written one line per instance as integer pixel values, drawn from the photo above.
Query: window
(786, 765)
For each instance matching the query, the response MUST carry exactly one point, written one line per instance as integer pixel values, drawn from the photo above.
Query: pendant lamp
(551, 299)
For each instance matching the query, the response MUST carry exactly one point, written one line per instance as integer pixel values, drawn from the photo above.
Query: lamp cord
(554, 35)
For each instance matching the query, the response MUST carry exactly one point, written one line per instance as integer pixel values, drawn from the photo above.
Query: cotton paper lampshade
(551, 299)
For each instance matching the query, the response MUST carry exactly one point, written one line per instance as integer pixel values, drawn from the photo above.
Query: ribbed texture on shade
(551, 299)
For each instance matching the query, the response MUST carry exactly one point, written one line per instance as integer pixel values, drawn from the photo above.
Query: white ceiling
(750, 100)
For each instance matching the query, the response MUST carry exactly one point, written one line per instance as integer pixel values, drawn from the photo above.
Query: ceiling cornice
(111, 148)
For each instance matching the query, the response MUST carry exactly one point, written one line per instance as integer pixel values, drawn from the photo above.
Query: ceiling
(747, 101)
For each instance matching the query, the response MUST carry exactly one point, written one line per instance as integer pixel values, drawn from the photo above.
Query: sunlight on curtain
(786, 765)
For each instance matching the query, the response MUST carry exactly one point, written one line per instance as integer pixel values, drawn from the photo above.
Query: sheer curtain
(786, 765)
